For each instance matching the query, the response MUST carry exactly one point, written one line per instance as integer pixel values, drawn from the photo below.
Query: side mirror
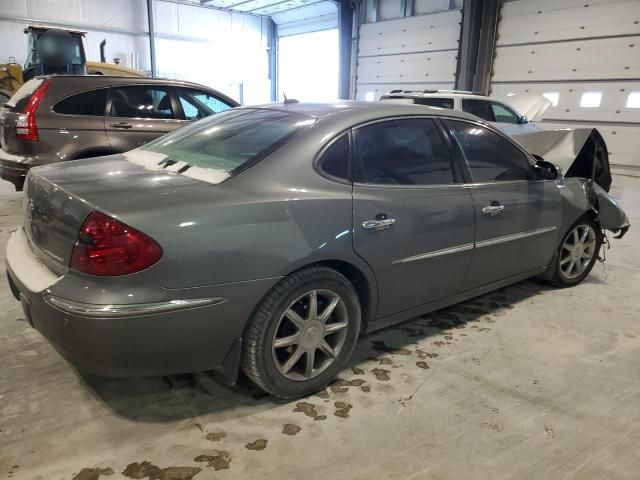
(522, 120)
(546, 170)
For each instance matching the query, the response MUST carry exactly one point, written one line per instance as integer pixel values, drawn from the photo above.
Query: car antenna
(289, 101)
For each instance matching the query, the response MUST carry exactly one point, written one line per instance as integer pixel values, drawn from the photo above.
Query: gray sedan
(269, 238)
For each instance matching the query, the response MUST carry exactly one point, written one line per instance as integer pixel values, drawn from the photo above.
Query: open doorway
(308, 66)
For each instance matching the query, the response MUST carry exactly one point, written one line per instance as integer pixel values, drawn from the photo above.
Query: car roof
(364, 110)
(119, 79)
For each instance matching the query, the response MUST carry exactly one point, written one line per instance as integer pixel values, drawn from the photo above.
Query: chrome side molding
(436, 253)
(137, 309)
(514, 236)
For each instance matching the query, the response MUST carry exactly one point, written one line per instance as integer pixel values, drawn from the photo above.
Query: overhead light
(591, 99)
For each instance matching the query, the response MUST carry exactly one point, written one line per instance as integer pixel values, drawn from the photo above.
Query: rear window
(92, 103)
(231, 140)
(21, 97)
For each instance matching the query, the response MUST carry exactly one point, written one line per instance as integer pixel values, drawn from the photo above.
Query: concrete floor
(525, 383)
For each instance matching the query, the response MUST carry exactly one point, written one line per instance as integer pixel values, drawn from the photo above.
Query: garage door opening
(308, 66)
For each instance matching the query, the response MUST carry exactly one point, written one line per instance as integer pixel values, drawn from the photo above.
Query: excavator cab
(54, 51)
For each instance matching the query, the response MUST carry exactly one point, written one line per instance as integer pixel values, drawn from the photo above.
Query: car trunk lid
(57, 202)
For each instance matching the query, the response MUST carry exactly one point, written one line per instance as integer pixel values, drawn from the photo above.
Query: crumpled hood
(580, 152)
(534, 107)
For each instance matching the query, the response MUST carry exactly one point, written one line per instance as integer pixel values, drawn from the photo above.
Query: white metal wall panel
(410, 53)
(582, 60)
(570, 48)
(306, 19)
(534, 21)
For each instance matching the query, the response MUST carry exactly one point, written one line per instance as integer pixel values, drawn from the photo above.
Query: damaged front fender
(609, 213)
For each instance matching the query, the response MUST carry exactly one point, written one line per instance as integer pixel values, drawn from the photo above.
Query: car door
(413, 219)
(138, 114)
(516, 213)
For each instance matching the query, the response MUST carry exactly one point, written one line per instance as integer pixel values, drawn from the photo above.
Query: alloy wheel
(577, 251)
(310, 334)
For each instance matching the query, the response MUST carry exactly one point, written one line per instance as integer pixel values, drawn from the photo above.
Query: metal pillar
(477, 45)
(273, 59)
(152, 36)
(345, 32)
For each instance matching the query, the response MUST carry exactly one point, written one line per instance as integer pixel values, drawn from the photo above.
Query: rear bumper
(160, 338)
(14, 168)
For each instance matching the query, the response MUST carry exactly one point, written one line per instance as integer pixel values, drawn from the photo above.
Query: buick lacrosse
(269, 238)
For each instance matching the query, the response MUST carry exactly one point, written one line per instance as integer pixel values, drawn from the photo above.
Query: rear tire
(303, 333)
(578, 253)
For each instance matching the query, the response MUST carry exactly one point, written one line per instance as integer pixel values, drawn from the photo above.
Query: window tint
(489, 156)
(226, 141)
(142, 101)
(435, 102)
(503, 114)
(479, 108)
(335, 159)
(86, 103)
(197, 104)
(403, 152)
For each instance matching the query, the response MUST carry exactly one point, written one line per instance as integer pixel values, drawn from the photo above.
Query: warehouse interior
(524, 382)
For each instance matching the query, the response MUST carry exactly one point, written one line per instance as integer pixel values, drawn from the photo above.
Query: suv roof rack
(465, 92)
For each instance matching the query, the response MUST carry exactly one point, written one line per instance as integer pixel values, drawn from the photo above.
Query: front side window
(503, 114)
(141, 102)
(90, 103)
(490, 157)
(401, 152)
(479, 108)
(197, 104)
(227, 141)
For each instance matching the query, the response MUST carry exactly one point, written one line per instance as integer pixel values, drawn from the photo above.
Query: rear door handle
(493, 209)
(124, 125)
(378, 224)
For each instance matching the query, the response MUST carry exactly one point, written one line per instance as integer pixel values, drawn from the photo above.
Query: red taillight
(106, 246)
(26, 128)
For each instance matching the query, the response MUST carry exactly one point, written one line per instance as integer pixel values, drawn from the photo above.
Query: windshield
(229, 141)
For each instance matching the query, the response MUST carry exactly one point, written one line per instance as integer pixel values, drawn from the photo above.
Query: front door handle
(124, 125)
(493, 209)
(378, 224)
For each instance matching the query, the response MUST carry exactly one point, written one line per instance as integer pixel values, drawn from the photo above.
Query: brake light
(108, 247)
(26, 128)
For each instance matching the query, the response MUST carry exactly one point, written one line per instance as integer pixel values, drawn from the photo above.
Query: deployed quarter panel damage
(580, 153)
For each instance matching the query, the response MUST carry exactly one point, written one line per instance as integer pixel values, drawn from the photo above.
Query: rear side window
(479, 108)
(435, 102)
(141, 101)
(402, 152)
(197, 104)
(91, 103)
(335, 159)
(229, 140)
(490, 157)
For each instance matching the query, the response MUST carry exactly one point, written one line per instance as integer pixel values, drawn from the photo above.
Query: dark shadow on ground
(180, 397)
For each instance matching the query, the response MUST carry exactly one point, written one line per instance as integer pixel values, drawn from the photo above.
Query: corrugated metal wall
(571, 48)
(224, 50)
(411, 53)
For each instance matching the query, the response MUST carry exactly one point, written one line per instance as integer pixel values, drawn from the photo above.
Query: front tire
(303, 333)
(578, 253)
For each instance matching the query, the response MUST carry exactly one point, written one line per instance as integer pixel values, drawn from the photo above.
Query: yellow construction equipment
(58, 51)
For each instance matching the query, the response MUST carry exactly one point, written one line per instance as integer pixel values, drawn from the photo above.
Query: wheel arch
(362, 279)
